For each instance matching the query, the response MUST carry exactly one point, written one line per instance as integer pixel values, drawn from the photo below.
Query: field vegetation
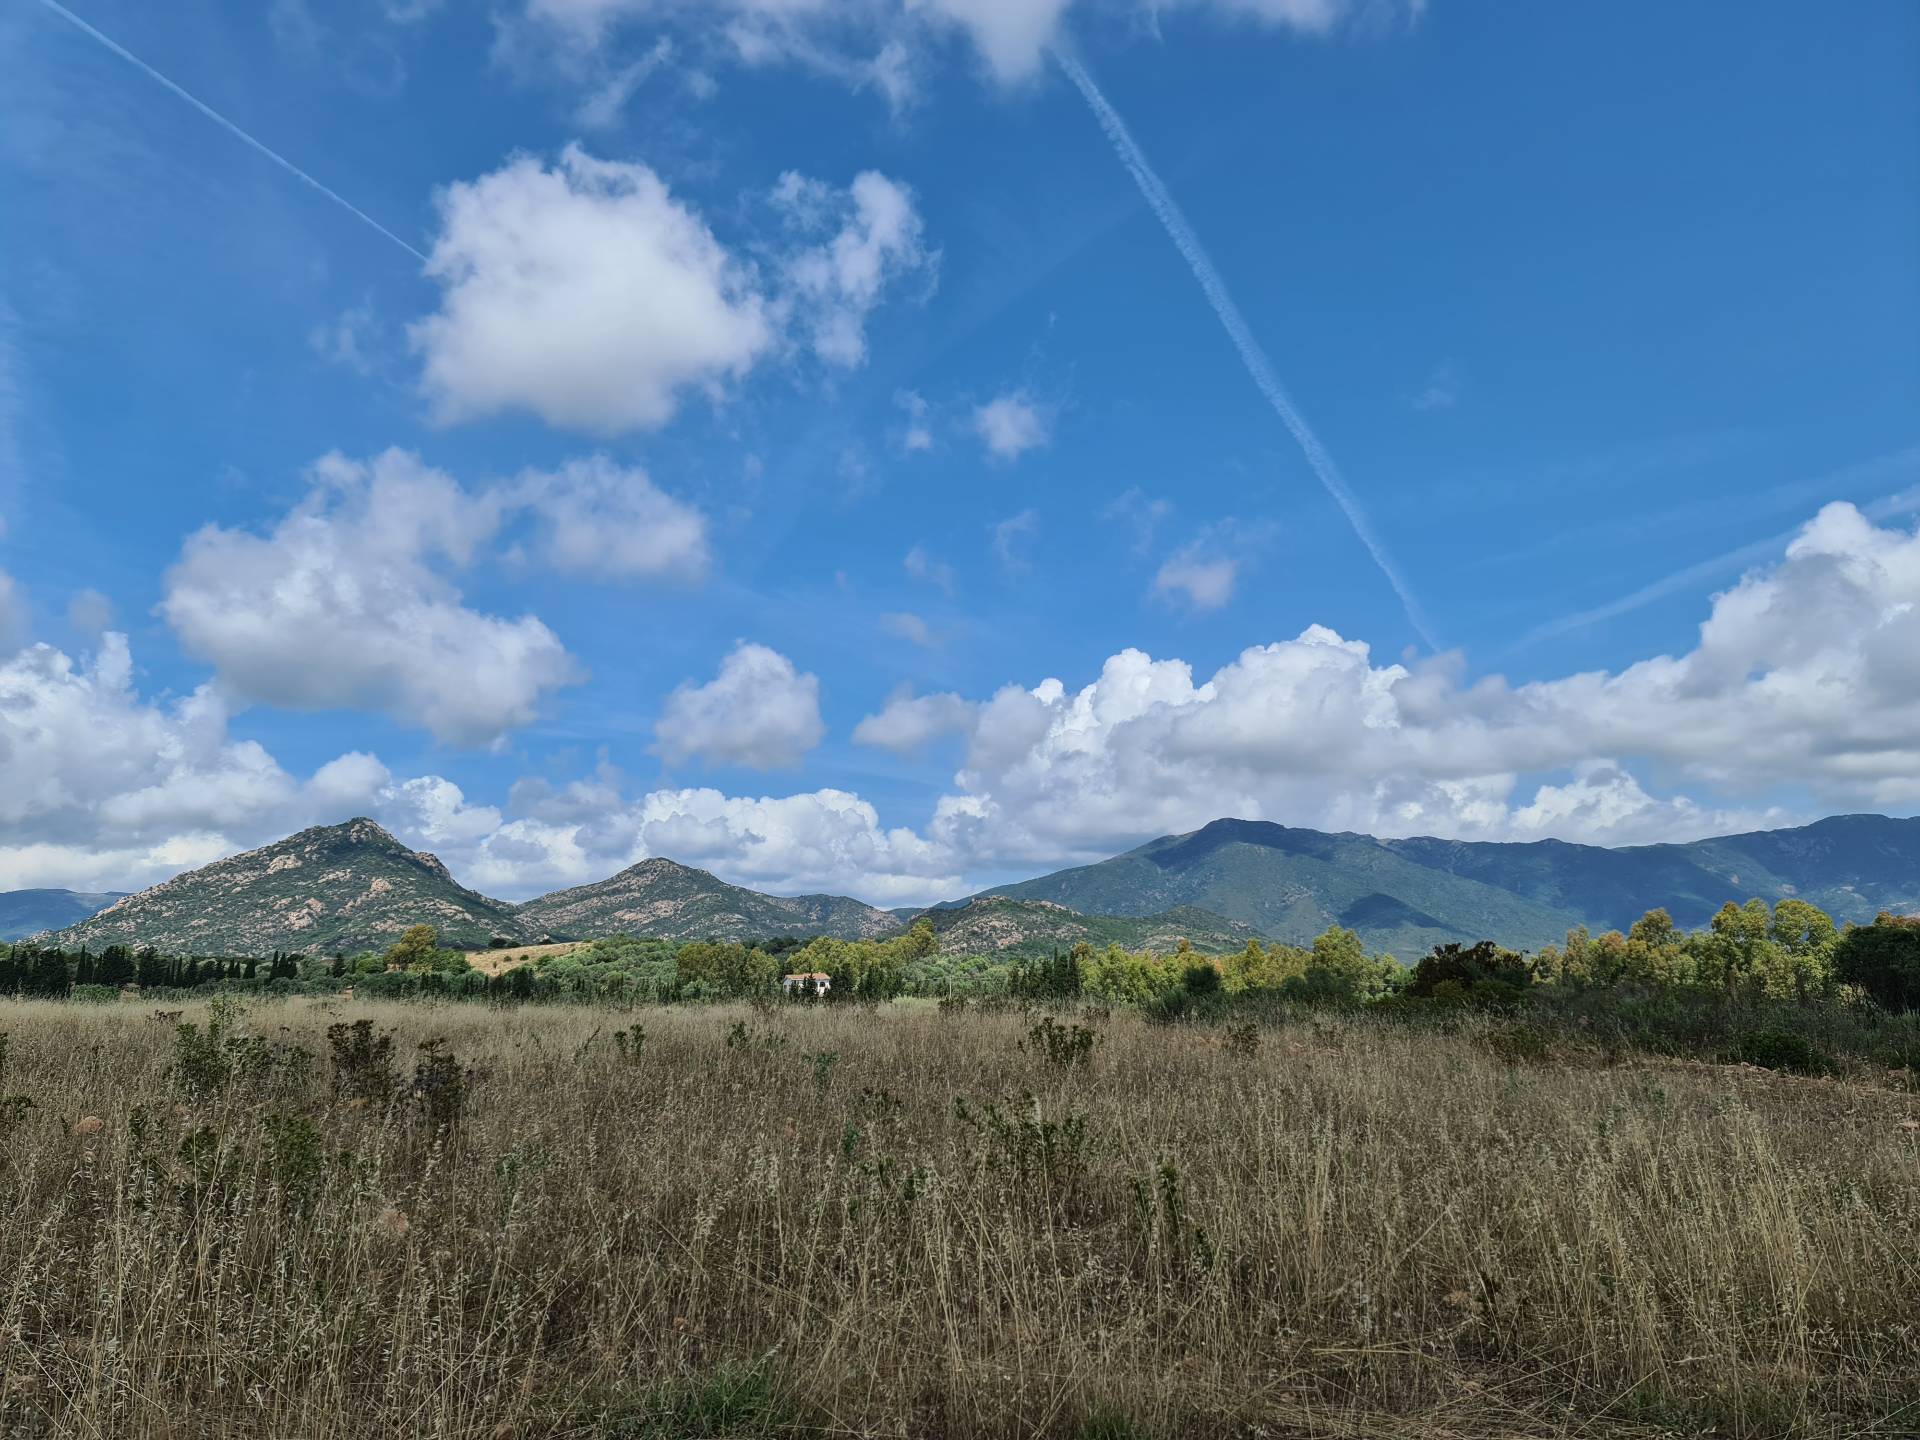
(331, 1218)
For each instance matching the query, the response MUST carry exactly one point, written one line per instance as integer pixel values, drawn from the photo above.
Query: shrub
(1783, 1050)
(362, 1061)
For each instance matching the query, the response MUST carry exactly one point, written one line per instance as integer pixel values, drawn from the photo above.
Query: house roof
(809, 975)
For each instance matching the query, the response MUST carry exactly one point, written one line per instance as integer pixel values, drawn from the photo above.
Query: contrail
(1258, 366)
(1888, 507)
(227, 125)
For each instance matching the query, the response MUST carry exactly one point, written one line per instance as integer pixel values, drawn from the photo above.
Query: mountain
(28, 912)
(995, 924)
(677, 902)
(1408, 895)
(335, 887)
(1851, 866)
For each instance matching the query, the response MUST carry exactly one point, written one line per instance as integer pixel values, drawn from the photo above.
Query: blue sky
(793, 390)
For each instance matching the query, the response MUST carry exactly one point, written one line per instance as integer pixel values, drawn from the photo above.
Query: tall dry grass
(914, 1223)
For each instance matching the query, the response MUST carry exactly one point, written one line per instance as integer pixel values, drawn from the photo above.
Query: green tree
(1883, 959)
(50, 978)
(415, 944)
(1737, 948)
(116, 966)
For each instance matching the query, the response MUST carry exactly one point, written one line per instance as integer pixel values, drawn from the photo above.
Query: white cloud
(908, 723)
(917, 437)
(1011, 425)
(350, 339)
(588, 295)
(601, 110)
(89, 611)
(760, 711)
(599, 520)
(1011, 36)
(1140, 513)
(1202, 573)
(920, 565)
(1010, 538)
(1805, 681)
(99, 788)
(885, 45)
(1205, 582)
(345, 604)
(585, 294)
(1799, 695)
(907, 626)
(835, 284)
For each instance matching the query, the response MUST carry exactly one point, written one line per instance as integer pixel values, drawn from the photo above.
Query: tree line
(1788, 951)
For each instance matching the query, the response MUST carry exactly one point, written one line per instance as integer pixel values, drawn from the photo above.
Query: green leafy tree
(1883, 959)
(415, 944)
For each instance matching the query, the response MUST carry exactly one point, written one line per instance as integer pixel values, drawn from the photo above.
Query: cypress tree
(50, 977)
(115, 966)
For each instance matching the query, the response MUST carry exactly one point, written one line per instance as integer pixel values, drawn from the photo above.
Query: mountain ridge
(679, 902)
(350, 886)
(1408, 894)
(354, 886)
(29, 912)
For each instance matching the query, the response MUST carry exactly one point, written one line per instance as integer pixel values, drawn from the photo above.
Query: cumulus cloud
(584, 293)
(760, 711)
(1797, 696)
(598, 519)
(345, 604)
(1010, 425)
(908, 723)
(1201, 574)
(1804, 681)
(1203, 582)
(98, 787)
(587, 294)
(835, 284)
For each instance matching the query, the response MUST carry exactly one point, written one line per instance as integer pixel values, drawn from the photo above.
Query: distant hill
(992, 924)
(677, 902)
(28, 912)
(335, 887)
(1408, 895)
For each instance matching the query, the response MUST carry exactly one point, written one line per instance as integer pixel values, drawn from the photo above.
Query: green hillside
(335, 887)
(1407, 895)
(676, 902)
(998, 925)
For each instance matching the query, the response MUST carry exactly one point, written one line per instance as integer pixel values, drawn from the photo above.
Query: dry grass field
(927, 1223)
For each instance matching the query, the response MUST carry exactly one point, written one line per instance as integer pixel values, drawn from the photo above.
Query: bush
(95, 994)
(1482, 974)
(1783, 1050)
